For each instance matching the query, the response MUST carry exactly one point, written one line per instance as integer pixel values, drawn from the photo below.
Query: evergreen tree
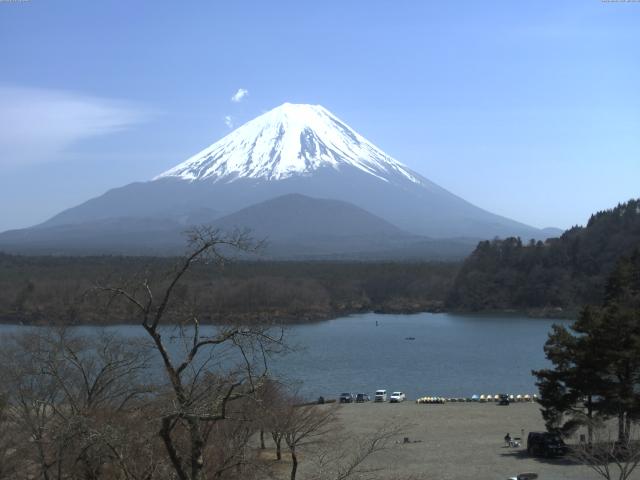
(596, 363)
(561, 273)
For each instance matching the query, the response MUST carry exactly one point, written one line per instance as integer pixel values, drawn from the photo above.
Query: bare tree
(212, 372)
(231, 450)
(609, 457)
(306, 425)
(8, 450)
(346, 457)
(272, 405)
(66, 395)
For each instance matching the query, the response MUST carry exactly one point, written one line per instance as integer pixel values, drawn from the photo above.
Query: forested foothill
(559, 275)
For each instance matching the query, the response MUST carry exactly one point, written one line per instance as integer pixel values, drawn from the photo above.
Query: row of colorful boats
(479, 398)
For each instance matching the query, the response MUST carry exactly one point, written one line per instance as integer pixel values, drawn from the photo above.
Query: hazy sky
(529, 109)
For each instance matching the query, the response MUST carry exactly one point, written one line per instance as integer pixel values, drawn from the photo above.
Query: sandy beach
(458, 441)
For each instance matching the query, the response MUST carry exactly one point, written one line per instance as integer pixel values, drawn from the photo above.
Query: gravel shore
(458, 441)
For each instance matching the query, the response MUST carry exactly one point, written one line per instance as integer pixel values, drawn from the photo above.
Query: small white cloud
(228, 121)
(239, 95)
(36, 125)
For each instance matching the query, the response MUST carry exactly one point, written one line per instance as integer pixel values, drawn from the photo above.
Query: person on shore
(507, 440)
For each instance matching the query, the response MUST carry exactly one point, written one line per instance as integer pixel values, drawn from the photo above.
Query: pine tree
(596, 363)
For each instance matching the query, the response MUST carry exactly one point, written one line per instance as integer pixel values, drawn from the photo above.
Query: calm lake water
(452, 355)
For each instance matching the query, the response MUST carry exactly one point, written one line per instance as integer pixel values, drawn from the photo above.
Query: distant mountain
(130, 236)
(551, 232)
(293, 226)
(296, 216)
(562, 273)
(292, 149)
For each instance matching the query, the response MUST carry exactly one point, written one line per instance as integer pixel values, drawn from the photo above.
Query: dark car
(362, 397)
(347, 398)
(503, 399)
(546, 444)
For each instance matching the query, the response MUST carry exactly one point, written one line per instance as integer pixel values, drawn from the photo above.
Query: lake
(452, 355)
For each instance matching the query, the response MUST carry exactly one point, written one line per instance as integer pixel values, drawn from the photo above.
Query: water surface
(451, 355)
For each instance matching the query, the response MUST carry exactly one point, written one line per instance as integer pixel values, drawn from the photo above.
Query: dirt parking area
(458, 441)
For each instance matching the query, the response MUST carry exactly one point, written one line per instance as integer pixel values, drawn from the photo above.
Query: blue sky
(528, 109)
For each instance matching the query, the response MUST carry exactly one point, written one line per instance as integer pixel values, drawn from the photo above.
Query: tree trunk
(43, 461)
(621, 434)
(627, 425)
(176, 461)
(277, 439)
(262, 445)
(590, 416)
(294, 463)
(197, 450)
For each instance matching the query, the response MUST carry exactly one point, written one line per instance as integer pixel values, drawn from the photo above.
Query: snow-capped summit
(290, 140)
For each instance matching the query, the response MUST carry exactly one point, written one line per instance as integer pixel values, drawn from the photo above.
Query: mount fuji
(289, 141)
(294, 151)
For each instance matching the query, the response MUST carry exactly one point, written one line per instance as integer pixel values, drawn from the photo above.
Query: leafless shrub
(346, 457)
(609, 457)
(69, 400)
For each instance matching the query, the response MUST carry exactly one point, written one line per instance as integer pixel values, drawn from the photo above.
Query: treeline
(49, 290)
(562, 273)
(555, 277)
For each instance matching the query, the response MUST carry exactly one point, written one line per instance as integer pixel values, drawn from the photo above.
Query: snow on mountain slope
(290, 140)
(292, 149)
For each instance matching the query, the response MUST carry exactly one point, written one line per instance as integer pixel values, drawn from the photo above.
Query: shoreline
(278, 319)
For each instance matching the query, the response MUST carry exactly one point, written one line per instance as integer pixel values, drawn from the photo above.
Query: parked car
(380, 396)
(546, 444)
(362, 397)
(397, 397)
(347, 398)
(503, 399)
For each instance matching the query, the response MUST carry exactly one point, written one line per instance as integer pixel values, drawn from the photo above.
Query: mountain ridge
(293, 149)
(295, 214)
(292, 226)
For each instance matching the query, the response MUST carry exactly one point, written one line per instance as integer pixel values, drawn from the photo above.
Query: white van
(381, 396)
